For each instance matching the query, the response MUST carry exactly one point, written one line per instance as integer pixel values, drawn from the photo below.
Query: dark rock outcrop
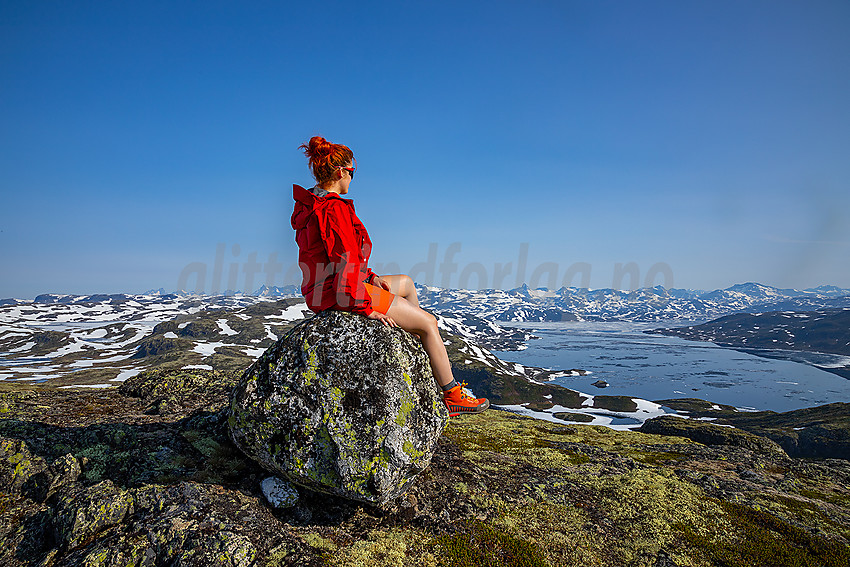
(710, 434)
(156, 345)
(821, 432)
(341, 404)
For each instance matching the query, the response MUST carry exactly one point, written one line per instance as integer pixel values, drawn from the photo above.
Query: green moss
(480, 544)
(810, 511)
(578, 458)
(561, 530)
(550, 458)
(659, 458)
(276, 556)
(641, 506)
(203, 442)
(832, 497)
(97, 457)
(763, 539)
(223, 463)
(318, 542)
(394, 548)
(496, 434)
(648, 504)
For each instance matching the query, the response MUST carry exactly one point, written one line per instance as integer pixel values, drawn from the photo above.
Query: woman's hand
(385, 319)
(381, 282)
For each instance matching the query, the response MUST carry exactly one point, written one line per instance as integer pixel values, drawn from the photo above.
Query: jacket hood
(306, 204)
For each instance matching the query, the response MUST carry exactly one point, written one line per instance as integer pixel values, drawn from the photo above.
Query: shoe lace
(465, 393)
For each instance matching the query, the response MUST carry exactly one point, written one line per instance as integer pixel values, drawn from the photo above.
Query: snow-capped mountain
(526, 304)
(276, 291)
(648, 304)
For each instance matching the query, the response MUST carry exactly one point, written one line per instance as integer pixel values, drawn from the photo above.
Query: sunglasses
(351, 170)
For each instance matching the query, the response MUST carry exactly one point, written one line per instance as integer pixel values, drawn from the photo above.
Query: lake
(655, 367)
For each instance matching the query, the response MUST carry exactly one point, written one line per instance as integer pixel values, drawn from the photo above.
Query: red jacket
(333, 252)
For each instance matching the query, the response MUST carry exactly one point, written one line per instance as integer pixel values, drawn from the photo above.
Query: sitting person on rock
(334, 250)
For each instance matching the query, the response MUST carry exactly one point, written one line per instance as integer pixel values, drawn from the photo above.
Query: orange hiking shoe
(459, 401)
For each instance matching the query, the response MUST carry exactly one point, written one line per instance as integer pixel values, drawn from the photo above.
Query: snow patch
(23, 348)
(225, 328)
(291, 313)
(207, 349)
(128, 373)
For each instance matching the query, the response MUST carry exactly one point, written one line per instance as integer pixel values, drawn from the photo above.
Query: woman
(334, 250)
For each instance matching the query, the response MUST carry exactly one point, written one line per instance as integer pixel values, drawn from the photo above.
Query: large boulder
(341, 404)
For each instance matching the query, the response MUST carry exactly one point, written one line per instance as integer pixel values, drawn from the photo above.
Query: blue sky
(703, 143)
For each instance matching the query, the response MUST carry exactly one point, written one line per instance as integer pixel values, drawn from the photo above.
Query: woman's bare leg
(402, 286)
(413, 319)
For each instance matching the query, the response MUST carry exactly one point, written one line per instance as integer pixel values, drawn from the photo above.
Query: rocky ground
(145, 474)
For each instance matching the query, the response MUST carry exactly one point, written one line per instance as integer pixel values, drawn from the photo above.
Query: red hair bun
(325, 158)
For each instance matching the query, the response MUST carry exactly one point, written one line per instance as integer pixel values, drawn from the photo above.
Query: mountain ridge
(524, 304)
(642, 305)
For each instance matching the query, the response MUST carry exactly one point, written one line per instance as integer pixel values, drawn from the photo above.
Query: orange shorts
(381, 298)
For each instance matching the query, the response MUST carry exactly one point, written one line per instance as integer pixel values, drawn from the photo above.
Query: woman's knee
(431, 324)
(413, 318)
(405, 285)
(432, 319)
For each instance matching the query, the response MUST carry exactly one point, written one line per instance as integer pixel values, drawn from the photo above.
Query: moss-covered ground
(502, 490)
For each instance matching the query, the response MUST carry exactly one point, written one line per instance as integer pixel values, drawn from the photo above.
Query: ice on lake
(657, 367)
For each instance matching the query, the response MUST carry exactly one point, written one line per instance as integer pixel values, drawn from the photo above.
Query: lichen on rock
(82, 512)
(343, 405)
